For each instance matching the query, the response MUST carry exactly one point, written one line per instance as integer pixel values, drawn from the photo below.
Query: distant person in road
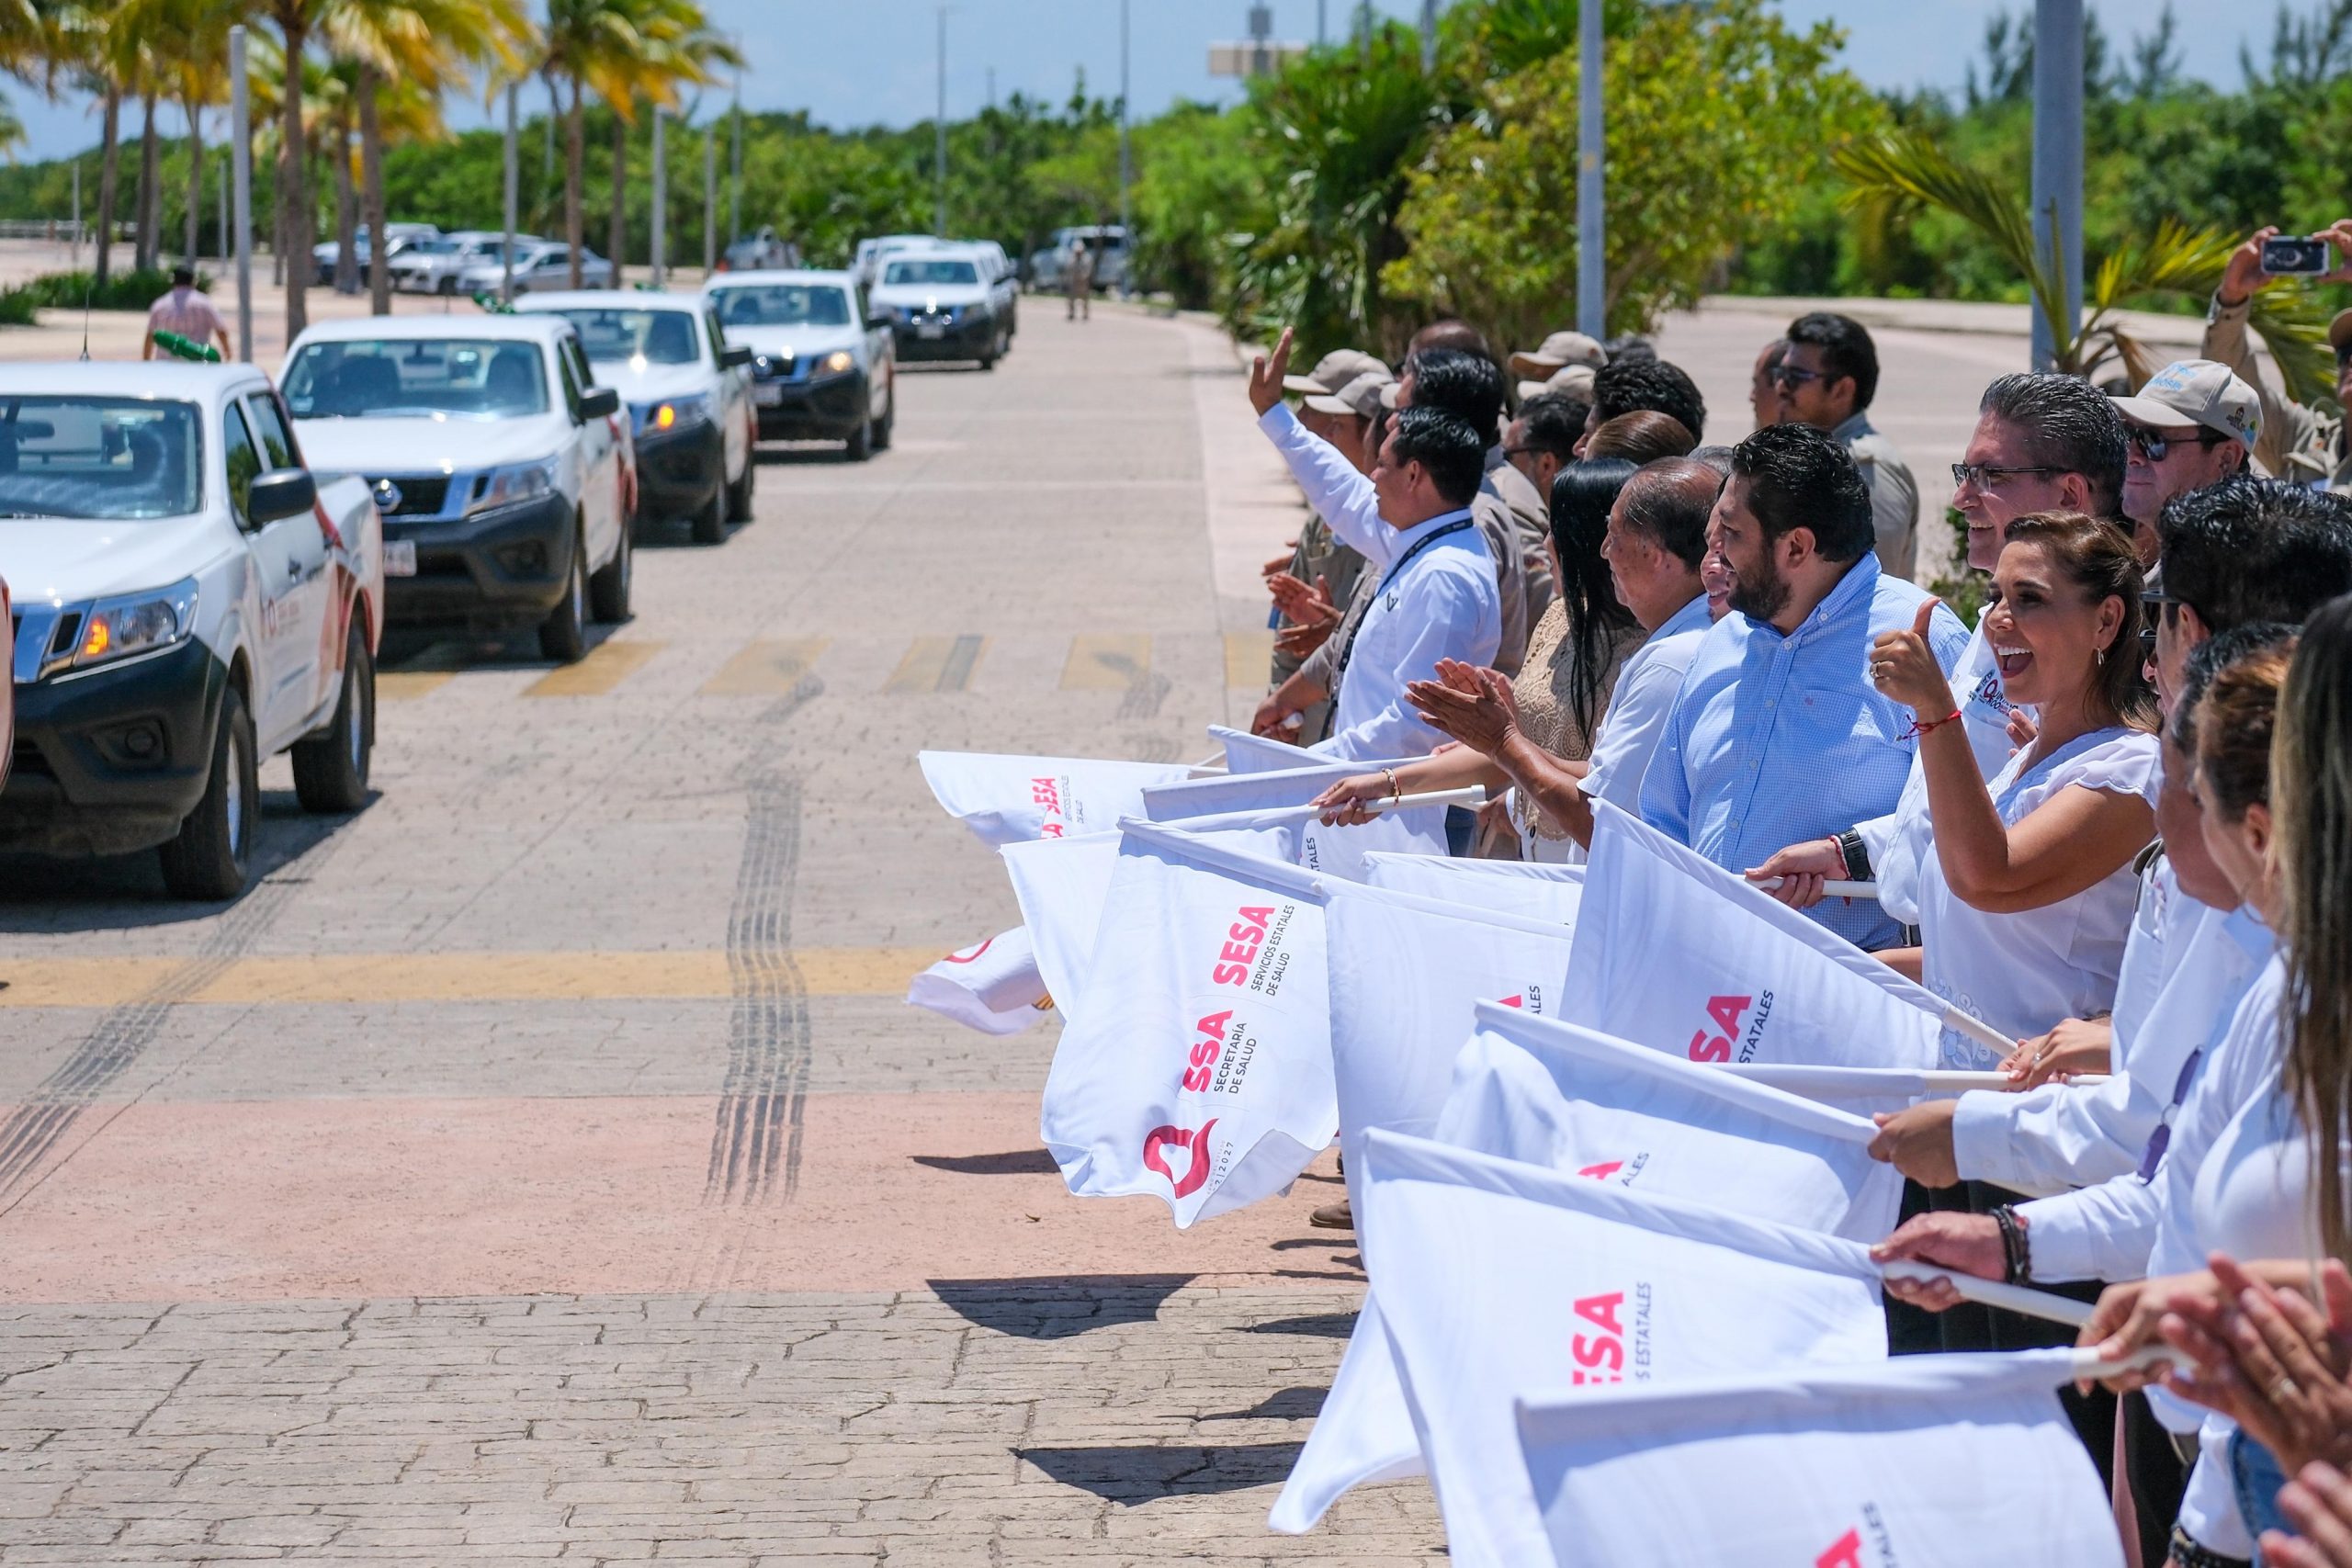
(2296, 443)
(2193, 424)
(1626, 384)
(1077, 280)
(189, 311)
(1763, 393)
(1826, 378)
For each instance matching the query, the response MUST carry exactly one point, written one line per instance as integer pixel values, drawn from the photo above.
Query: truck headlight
(514, 484)
(840, 361)
(137, 623)
(670, 413)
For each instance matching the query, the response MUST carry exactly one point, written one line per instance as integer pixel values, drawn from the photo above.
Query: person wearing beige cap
(1334, 371)
(2193, 424)
(2296, 443)
(1573, 381)
(1556, 354)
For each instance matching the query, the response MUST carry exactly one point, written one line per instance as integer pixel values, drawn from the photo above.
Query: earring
(2102, 658)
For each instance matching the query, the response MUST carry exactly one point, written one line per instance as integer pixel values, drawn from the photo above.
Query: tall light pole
(240, 150)
(2058, 161)
(1127, 167)
(1592, 293)
(735, 164)
(939, 173)
(1429, 36)
(513, 182)
(658, 219)
(1322, 23)
(710, 201)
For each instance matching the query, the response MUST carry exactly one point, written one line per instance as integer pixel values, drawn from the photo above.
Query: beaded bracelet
(2016, 1261)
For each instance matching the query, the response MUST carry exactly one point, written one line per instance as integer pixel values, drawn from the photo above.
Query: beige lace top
(1543, 689)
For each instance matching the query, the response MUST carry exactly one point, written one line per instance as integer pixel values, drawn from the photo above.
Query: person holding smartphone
(2298, 443)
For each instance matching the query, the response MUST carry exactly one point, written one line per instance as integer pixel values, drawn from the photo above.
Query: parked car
(763, 251)
(1107, 241)
(195, 601)
(822, 368)
(939, 307)
(688, 392)
(399, 237)
(491, 451)
(434, 266)
(545, 265)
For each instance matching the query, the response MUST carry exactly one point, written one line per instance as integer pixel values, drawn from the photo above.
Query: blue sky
(870, 60)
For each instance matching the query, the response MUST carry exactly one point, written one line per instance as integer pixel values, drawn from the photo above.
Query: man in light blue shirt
(1776, 734)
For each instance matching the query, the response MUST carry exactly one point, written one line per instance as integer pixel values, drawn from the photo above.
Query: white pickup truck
(190, 600)
(822, 369)
(495, 456)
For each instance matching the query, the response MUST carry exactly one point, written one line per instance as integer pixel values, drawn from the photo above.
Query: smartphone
(2283, 257)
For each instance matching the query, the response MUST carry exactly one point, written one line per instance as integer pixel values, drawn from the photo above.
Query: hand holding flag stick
(1274, 817)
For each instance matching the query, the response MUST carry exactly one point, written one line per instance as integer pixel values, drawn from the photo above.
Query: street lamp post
(1592, 293)
(2058, 161)
(1126, 168)
(939, 126)
(656, 240)
(710, 201)
(241, 149)
(507, 252)
(735, 164)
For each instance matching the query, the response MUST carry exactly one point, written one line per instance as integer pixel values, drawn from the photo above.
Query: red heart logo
(1196, 1144)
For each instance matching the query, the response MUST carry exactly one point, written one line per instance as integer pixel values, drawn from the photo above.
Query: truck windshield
(658, 337)
(782, 305)
(103, 459)
(407, 377)
(918, 272)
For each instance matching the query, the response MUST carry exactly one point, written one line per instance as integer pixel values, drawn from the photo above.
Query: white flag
(1006, 799)
(1920, 1461)
(1060, 885)
(1247, 753)
(1495, 1277)
(1551, 1094)
(1408, 974)
(1338, 850)
(994, 987)
(1196, 1066)
(1676, 953)
(1534, 889)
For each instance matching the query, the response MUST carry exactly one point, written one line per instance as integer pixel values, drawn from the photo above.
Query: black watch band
(1857, 853)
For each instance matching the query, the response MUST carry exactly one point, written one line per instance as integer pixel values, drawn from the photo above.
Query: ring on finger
(2283, 1388)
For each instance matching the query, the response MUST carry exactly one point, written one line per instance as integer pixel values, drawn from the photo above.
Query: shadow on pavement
(1130, 1476)
(1322, 1325)
(1059, 1307)
(1014, 1162)
(1283, 1404)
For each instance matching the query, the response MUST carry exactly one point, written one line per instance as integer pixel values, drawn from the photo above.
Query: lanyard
(2161, 1139)
(1424, 542)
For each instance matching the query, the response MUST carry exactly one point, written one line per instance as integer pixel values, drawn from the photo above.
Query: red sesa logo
(1242, 941)
(1599, 1354)
(1846, 1551)
(1195, 1146)
(1724, 1013)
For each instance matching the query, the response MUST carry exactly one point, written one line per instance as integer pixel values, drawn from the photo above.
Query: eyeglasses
(1989, 476)
(1791, 375)
(2154, 445)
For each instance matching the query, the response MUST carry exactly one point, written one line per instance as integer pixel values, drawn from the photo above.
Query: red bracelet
(1922, 727)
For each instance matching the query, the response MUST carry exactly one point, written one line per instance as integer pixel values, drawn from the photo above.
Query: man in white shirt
(1426, 563)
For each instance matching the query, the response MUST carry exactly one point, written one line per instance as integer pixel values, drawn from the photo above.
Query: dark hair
(1846, 350)
(1581, 497)
(182, 274)
(2068, 424)
(1554, 423)
(2097, 557)
(1643, 436)
(1451, 332)
(1798, 477)
(1464, 384)
(1376, 430)
(1671, 502)
(2209, 659)
(2249, 549)
(1629, 348)
(1623, 386)
(1443, 442)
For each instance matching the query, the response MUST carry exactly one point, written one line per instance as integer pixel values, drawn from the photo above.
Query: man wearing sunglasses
(1827, 377)
(2193, 424)
(2298, 443)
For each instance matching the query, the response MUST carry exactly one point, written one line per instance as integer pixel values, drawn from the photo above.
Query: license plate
(399, 557)
(930, 328)
(767, 397)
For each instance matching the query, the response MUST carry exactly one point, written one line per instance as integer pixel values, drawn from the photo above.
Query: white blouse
(2024, 971)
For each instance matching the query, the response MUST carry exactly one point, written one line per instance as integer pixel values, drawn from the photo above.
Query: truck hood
(808, 342)
(654, 381)
(915, 296)
(76, 559)
(377, 447)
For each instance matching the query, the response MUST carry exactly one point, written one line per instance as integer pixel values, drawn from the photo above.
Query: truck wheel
(608, 590)
(710, 518)
(208, 858)
(888, 426)
(739, 494)
(861, 442)
(330, 768)
(563, 635)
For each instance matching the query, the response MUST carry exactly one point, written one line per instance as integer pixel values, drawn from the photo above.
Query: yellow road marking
(937, 664)
(384, 977)
(606, 667)
(765, 669)
(407, 685)
(1247, 657)
(1106, 662)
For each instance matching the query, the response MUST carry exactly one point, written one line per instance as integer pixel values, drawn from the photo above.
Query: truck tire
(608, 590)
(887, 425)
(330, 768)
(563, 635)
(208, 858)
(861, 442)
(710, 518)
(739, 494)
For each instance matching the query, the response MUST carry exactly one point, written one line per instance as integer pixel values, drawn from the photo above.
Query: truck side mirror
(600, 402)
(281, 494)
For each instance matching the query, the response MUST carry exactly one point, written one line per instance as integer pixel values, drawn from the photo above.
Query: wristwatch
(1857, 853)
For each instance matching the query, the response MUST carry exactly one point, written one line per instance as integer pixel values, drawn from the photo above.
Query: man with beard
(1776, 735)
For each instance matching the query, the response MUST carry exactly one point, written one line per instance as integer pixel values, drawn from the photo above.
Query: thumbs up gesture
(1903, 669)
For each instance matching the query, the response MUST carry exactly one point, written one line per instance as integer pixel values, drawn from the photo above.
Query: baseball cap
(2340, 332)
(1558, 350)
(1360, 397)
(1334, 371)
(2196, 391)
(1576, 380)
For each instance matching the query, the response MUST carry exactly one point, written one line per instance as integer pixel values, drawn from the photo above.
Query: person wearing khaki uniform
(1827, 378)
(2298, 443)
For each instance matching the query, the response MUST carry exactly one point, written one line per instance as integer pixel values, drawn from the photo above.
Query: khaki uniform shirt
(2298, 444)
(1894, 494)
(1532, 513)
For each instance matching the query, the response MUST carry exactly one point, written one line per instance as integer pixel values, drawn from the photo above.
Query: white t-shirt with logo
(2024, 971)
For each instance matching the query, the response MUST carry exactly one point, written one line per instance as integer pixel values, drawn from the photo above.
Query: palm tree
(75, 44)
(677, 48)
(1907, 169)
(187, 43)
(424, 46)
(296, 20)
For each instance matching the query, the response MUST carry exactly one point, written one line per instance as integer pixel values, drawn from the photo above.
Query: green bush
(67, 291)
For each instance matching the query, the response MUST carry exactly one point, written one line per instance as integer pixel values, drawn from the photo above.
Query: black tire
(210, 856)
(710, 518)
(330, 768)
(887, 425)
(608, 590)
(563, 635)
(860, 442)
(987, 357)
(739, 494)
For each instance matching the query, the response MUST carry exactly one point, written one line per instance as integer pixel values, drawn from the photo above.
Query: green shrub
(68, 290)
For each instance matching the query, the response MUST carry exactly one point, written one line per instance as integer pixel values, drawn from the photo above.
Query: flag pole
(1992, 1293)
(1469, 795)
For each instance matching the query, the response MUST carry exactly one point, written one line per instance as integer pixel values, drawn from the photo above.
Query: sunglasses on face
(1792, 376)
(2154, 445)
(1991, 475)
